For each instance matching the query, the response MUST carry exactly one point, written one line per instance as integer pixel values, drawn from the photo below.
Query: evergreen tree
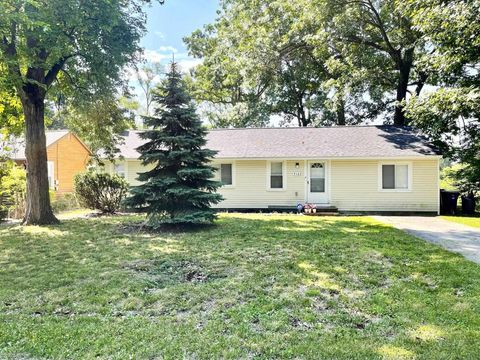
(179, 190)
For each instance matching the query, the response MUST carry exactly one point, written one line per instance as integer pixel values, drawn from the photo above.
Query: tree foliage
(76, 49)
(323, 62)
(12, 186)
(100, 123)
(178, 188)
(147, 77)
(450, 114)
(11, 116)
(314, 62)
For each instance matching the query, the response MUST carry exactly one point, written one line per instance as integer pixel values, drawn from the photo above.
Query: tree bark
(38, 209)
(341, 113)
(405, 66)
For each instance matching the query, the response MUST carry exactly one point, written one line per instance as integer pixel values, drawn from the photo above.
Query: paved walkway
(454, 237)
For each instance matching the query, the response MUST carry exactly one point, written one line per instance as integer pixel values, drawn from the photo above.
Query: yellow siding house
(351, 168)
(67, 156)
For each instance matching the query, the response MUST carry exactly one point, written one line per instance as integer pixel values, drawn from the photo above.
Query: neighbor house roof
(17, 145)
(295, 143)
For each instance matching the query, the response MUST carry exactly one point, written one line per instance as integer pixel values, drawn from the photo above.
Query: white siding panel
(354, 186)
(250, 190)
(132, 168)
(135, 167)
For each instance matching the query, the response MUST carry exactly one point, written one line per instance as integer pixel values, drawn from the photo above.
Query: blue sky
(166, 26)
(169, 23)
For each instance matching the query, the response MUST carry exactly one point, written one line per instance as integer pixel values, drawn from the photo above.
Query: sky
(167, 24)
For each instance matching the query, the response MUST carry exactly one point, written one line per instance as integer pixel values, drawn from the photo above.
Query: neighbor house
(352, 168)
(67, 156)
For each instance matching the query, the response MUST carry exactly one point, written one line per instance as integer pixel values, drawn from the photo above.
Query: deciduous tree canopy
(318, 62)
(450, 114)
(322, 62)
(78, 48)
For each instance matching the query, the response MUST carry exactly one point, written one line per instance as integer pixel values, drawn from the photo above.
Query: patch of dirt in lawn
(160, 273)
(143, 228)
(132, 228)
(299, 324)
(335, 309)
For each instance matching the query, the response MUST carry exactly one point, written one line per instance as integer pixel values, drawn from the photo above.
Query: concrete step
(323, 213)
(326, 208)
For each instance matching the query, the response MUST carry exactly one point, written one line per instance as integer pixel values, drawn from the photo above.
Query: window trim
(284, 175)
(51, 166)
(395, 163)
(219, 169)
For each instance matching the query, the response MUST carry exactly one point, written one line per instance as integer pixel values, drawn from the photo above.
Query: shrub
(64, 202)
(447, 177)
(13, 185)
(3, 207)
(100, 191)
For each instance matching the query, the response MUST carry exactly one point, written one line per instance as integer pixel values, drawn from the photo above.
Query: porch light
(297, 165)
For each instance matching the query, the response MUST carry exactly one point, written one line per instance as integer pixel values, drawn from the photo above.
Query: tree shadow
(296, 279)
(404, 138)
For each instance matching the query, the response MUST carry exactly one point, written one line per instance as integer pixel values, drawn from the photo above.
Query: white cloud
(155, 56)
(165, 54)
(169, 49)
(160, 35)
(143, 75)
(188, 64)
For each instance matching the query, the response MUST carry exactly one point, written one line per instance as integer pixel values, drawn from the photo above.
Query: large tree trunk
(399, 118)
(341, 113)
(405, 67)
(38, 209)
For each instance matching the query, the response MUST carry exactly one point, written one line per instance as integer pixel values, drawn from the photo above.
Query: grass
(254, 286)
(465, 220)
(65, 215)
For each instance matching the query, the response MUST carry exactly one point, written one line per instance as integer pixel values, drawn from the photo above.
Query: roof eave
(409, 157)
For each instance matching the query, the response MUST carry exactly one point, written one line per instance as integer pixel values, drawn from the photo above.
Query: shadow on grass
(270, 285)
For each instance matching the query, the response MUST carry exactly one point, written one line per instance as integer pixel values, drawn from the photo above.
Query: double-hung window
(396, 177)
(276, 180)
(226, 174)
(120, 169)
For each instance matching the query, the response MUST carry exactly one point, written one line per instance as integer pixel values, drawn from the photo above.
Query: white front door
(317, 182)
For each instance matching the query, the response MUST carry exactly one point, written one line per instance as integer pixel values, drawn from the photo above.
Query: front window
(120, 169)
(276, 175)
(226, 174)
(395, 177)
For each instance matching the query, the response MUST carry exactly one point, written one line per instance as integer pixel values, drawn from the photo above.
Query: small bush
(3, 207)
(100, 191)
(13, 185)
(64, 202)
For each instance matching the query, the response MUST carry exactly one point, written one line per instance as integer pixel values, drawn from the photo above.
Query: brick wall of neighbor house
(354, 186)
(70, 157)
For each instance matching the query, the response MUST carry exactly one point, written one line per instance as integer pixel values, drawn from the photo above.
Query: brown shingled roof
(295, 143)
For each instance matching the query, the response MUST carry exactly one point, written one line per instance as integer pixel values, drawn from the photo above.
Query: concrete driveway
(454, 237)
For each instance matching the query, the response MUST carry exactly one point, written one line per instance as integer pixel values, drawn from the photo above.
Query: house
(352, 168)
(67, 156)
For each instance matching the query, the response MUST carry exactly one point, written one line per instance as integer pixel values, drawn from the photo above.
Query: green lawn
(255, 286)
(465, 220)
